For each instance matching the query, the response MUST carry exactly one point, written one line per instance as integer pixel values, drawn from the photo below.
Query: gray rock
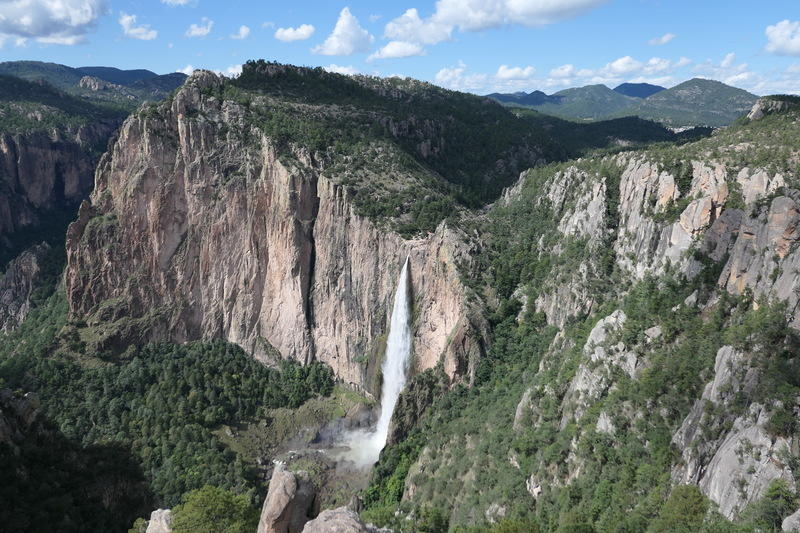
(160, 521)
(341, 520)
(290, 502)
(791, 522)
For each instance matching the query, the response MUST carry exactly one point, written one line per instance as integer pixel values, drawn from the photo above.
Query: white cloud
(243, 32)
(348, 37)
(50, 21)
(784, 38)
(375, 18)
(564, 71)
(410, 27)
(142, 32)
(175, 2)
(482, 14)
(268, 24)
(727, 71)
(469, 15)
(188, 69)
(664, 39)
(458, 79)
(232, 72)
(340, 69)
(200, 30)
(623, 65)
(397, 49)
(300, 33)
(727, 61)
(515, 73)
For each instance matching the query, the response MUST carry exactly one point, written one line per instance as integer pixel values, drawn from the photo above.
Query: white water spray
(365, 446)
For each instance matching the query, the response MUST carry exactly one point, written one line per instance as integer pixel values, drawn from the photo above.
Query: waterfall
(365, 446)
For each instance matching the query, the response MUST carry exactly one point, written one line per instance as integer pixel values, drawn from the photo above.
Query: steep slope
(697, 102)
(205, 224)
(638, 90)
(645, 337)
(48, 149)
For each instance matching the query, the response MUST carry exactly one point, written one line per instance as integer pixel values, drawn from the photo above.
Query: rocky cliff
(201, 226)
(45, 173)
(647, 314)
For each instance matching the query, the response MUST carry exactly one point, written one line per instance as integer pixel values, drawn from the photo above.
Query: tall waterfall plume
(365, 446)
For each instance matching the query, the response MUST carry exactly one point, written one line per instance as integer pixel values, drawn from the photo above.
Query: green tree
(683, 511)
(777, 503)
(214, 510)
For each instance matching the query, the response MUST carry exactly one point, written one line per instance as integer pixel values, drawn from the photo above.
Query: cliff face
(656, 315)
(17, 284)
(199, 228)
(43, 172)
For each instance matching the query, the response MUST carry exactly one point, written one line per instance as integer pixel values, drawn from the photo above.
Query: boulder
(160, 521)
(290, 502)
(341, 520)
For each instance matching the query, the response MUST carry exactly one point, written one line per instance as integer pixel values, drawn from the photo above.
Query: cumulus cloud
(515, 73)
(410, 27)
(564, 71)
(664, 39)
(469, 15)
(457, 78)
(728, 71)
(623, 65)
(348, 37)
(341, 69)
(48, 21)
(397, 49)
(129, 28)
(188, 69)
(200, 30)
(243, 32)
(300, 33)
(783, 38)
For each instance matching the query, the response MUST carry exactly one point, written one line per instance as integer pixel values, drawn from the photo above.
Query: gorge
(281, 274)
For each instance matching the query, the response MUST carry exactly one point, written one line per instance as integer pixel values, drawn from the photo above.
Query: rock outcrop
(17, 416)
(734, 466)
(772, 104)
(17, 285)
(160, 521)
(341, 520)
(290, 502)
(200, 227)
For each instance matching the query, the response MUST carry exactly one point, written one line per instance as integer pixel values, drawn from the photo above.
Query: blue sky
(474, 45)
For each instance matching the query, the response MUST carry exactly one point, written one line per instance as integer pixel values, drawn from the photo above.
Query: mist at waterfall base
(364, 446)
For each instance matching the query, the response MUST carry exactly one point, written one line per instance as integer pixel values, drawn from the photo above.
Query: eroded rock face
(17, 285)
(43, 172)
(733, 467)
(198, 228)
(290, 502)
(160, 521)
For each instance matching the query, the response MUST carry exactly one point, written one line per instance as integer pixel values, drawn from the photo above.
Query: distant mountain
(115, 75)
(534, 98)
(638, 90)
(122, 88)
(590, 102)
(697, 102)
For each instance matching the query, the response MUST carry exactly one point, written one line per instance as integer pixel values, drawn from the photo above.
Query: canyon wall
(199, 227)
